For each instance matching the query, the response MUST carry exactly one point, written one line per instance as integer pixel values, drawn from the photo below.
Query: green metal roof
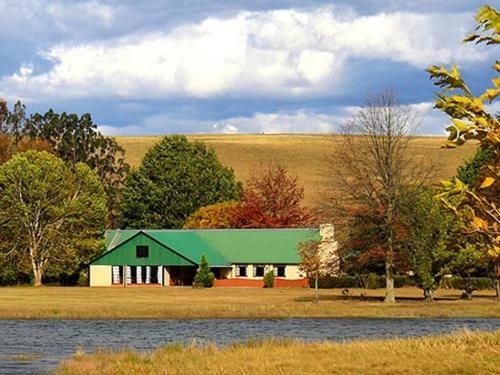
(258, 245)
(222, 247)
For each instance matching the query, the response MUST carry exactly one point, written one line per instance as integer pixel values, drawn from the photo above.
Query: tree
(12, 123)
(5, 148)
(4, 112)
(77, 140)
(477, 205)
(272, 199)
(426, 246)
(8, 147)
(470, 171)
(50, 214)
(310, 263)
(371, 169)
(269, 279)
(204, 277)
(176, 178)
(467, 259)
(74, 139)
(363, 241)
(214, 216)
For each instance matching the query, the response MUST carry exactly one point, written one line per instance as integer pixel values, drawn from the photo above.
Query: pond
(36, 346)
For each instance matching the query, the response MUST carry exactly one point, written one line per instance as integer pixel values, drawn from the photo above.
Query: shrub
(204, 278)
(269, 279)
(372, 281)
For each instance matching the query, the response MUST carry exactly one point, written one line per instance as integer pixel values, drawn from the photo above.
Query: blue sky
(159, 67)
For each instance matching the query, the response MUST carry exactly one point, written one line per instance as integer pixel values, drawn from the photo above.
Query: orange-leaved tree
(214, 216)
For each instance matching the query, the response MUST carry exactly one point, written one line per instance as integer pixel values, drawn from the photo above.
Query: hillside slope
(305, 155)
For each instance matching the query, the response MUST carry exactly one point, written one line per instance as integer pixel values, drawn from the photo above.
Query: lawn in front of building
(188, 303)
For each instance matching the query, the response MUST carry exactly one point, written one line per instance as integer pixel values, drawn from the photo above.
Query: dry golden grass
(188, 303)
(305, 155)
(461, 353)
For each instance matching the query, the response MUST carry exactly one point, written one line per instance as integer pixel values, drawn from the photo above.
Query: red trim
(259, 283)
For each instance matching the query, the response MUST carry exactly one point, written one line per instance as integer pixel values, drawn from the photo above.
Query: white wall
(291, 272)
(100, 276)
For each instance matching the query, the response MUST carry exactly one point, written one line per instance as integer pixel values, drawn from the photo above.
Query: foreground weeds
(464, 352)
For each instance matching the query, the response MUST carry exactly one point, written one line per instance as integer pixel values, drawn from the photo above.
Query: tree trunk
(316, 290)
(389, 260)
(497, 279)
(36, 267)
(37, 273)
(389, 269)
(389, 283)
(428, 295)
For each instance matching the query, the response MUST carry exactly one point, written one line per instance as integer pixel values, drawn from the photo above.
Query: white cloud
(35, 19)
(432, 122)
(300, 121)
(65, 15)
(300, 53)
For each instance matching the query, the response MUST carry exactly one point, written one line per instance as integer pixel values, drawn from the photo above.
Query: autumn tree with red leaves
(272, 199)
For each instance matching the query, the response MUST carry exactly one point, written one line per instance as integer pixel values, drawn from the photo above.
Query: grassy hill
(305, 155)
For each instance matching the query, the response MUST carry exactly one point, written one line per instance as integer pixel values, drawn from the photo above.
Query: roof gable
(124, 253)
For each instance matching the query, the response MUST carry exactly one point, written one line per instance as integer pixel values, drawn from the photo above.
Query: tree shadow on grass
(366, 298)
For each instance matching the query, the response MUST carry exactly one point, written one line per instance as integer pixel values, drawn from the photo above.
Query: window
(279, 270)
(258, 270)
(154, 275)
(142, 251)
(133, 275)
(241, 270)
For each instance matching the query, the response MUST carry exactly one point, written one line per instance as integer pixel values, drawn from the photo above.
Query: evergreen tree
(204, 277)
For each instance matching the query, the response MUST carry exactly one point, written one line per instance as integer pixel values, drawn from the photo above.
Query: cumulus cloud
(431, 122)
(282, 53)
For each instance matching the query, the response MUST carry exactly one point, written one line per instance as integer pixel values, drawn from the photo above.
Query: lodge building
(237, 257)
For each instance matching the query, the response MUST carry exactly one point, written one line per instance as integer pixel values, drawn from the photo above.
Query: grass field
(305, 155)
(188, 303)
(461, 353)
